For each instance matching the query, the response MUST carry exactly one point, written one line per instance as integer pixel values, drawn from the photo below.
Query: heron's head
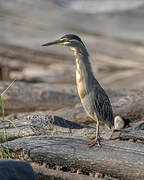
(70, 40)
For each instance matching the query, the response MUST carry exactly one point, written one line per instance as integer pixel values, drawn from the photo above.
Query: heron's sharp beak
(54, 42)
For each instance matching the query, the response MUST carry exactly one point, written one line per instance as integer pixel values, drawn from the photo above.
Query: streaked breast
(79, 79)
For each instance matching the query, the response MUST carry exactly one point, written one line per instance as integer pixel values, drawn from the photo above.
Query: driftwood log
(35, 125)
(23, 97)
(59, 142)
(118, 159)
(50, 174)
(26, 97)
(31, 125)
(52, 138)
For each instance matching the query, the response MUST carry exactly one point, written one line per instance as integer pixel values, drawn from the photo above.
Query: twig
(8, 87)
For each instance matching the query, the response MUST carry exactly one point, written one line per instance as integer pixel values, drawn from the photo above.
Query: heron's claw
(91, 137)
(93, 143)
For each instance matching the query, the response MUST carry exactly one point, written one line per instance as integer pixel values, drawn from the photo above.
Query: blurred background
(113, 31)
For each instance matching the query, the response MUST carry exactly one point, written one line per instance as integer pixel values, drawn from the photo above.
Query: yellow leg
(97, 138)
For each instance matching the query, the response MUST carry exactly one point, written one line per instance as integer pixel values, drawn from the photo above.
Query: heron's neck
(82, 60)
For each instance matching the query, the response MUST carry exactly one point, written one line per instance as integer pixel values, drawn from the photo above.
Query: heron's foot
(91, 137)
(94, 142)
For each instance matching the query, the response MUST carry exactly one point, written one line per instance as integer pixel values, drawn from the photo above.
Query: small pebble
(131, 140)
(58, 168)
(44, 165)
(118, 122)
(91, 174)
(139, 141)
(79, 171)
(98, 175)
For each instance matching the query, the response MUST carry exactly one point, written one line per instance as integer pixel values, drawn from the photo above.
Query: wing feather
(103, 107)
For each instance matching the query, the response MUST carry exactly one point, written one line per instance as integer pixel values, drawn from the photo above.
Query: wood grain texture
(27, 97)
(118, 159)
(48, 124)
(51, 174)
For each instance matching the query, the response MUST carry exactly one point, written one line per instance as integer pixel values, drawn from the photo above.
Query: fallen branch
(118, 159)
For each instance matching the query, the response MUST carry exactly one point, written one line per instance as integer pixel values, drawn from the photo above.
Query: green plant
(5, 152)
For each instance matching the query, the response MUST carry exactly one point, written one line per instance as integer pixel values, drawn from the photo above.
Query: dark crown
(73, 37)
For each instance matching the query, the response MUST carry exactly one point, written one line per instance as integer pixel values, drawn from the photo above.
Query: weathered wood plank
(122, 59)
(70, 146)
(112, 71)
(129, 104)
(48, 124)
(118, 159)
(26, 97)
(135, 133)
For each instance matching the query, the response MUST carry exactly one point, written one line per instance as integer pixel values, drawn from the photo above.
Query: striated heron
(93, 97)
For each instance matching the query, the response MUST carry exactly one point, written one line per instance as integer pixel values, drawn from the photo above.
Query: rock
(14, 169)
(118, 122)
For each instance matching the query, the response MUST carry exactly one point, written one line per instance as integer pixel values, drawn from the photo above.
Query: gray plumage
(95, 100)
